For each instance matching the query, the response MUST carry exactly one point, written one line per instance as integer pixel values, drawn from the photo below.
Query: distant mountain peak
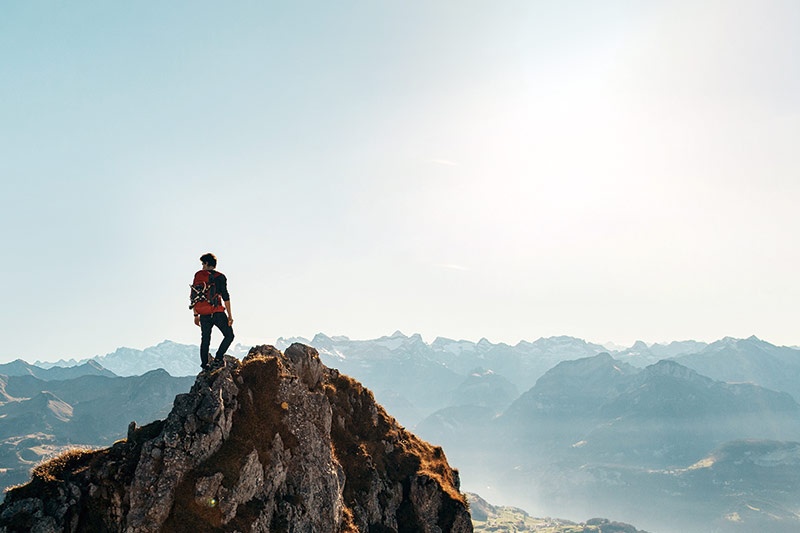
(673, 369)
(578, 373)
(666, 366)
(732, 343)
(320, 338)
(94, 364)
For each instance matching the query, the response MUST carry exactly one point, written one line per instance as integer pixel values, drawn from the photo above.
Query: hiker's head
(208, 260)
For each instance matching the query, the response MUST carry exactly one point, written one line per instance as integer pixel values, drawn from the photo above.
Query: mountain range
(597, 435)
(556, 426)
(55, 373)
(39, 418)
(177, 359)
(748, 361)
(451, 361)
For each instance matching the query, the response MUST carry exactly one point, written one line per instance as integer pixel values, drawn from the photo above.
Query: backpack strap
(212, 287)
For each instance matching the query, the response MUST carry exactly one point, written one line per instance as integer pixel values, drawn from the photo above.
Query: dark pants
(206, 323)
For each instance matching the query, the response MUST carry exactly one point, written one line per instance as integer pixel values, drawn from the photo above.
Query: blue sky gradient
(613, 171)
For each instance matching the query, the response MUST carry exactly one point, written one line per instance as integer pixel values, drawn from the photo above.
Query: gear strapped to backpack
(205, 290)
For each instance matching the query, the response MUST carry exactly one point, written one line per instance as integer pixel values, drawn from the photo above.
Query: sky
(508, 170)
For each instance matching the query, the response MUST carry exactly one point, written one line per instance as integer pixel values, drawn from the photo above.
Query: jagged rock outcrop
(278, 442)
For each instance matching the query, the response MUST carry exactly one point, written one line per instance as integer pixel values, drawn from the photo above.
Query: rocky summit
(276, 442)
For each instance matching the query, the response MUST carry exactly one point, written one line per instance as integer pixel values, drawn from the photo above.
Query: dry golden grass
(73, 461)
(362, 444)
(348, 522)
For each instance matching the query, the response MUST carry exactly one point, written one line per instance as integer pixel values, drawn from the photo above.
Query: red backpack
(203, 292)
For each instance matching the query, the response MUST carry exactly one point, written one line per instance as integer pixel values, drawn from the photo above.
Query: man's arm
(229, 311)
(222, 287)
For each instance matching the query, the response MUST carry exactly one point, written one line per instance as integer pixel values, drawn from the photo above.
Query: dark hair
(209, 259)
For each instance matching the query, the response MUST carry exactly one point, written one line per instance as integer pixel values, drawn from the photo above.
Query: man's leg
(206, 323)
(221, 321)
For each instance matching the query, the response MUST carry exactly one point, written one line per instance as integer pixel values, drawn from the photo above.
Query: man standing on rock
(211, 304)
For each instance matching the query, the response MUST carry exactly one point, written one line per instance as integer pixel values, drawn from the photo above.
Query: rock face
(278, 442)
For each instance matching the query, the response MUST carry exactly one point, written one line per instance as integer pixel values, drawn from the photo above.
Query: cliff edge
(277, 442)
